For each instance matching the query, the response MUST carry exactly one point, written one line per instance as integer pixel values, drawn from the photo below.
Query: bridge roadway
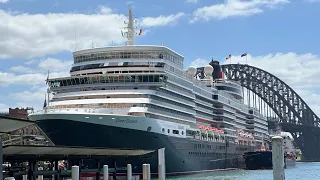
(282, 103)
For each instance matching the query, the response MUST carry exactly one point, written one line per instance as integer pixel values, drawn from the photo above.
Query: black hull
(182, 155)
(258, 160)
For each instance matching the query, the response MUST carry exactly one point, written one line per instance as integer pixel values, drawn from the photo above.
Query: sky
(280, 36)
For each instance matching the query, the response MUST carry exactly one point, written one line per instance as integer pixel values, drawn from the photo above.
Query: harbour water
(302, 171)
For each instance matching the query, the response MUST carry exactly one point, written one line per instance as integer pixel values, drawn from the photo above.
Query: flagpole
(48, 89)
(247, 58)
(45, 101)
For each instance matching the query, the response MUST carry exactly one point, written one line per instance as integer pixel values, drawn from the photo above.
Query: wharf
(19, 154)
(53, 154)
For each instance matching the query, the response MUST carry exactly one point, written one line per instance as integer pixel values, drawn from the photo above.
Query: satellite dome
(208, 69)
(192, 70)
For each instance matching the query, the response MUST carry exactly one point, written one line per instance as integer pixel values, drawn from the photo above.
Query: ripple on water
(302, 171)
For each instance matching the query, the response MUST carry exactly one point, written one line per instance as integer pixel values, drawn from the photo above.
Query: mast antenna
(129, 30)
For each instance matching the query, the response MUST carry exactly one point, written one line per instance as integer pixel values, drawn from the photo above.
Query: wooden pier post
(75, 173)
(129, 172)
(146, 172)
(105, 172)
(40, 177)
(161, 164)
(1, 160)
(25, 177)
(278, 158)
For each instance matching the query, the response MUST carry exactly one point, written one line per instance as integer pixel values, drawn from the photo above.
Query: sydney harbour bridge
(281, 105)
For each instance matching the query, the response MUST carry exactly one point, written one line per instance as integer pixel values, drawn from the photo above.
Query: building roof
(9, 124)
(15, 152)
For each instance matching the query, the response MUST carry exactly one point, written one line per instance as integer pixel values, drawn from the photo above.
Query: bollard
(278, 158)
(24, 177)
(105, 172)
(1, 159)
(129, 172)
(40, 177)
(161, 164)
(161, 176)
(146, 172)
(9, 178)
(75, 172)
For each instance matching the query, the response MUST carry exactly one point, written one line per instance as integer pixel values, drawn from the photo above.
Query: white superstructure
(148, 85)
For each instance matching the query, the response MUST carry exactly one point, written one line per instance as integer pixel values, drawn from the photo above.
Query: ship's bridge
(124, 58)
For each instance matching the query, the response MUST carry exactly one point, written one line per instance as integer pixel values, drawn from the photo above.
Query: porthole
(162, 129)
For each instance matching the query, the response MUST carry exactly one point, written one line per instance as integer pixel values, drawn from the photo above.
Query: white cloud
(312, 1)
(51, 64)
(32, 61)
(233, 8)
(55, 65)
(4, 108)
(7, 79)
(32, 78)
(199, 62)
(27, 96)
(27, 35)
(297, 70)
(105, 10)
(192, 1)
(3, 1)
(21, 69)
(161, 20)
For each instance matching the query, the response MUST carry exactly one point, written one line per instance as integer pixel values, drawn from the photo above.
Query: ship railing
(162, 94)
(212, 89)
(123, 111)
(214, 138)
(203, 110)
(224, 81)
(173, 115)
(171, 106)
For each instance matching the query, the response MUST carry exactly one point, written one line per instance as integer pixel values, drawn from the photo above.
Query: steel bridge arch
(280, 97)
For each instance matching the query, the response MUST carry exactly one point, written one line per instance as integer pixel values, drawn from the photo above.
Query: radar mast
(129, 31)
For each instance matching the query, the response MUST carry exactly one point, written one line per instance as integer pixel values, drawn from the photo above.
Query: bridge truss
(284, 101)
(293, 113)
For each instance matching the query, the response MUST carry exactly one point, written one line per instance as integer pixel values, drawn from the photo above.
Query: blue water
(302, 171)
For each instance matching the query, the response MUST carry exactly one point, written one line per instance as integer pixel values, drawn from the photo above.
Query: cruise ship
(142, 97)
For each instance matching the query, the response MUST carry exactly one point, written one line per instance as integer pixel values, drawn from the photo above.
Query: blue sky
(281, 36)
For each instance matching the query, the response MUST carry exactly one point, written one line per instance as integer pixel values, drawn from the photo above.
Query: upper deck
(127, 52)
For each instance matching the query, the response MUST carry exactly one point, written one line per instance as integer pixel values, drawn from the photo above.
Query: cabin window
(175, 131)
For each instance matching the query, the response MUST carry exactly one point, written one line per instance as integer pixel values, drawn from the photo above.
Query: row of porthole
(198, 146)
(205, 153)
(173, 131)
